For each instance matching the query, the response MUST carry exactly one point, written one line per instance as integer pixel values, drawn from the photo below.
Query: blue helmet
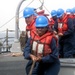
(28, 12)
(60, 12)
(68, 11)
(73, 10)
(34, 9)
(41, 21)
(53, 13)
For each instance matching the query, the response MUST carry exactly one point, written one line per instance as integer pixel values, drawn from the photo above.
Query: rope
(41, 7)
(21, 11)
(42, 4)
(6, 22)
(14, 16)
(32, 67)
(26, 6)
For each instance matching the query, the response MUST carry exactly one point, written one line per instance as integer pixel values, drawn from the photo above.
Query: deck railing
(5, 44)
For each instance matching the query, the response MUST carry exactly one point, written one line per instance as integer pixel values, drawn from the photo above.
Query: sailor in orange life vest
(53, 19)
(29, 15)
(42, 48)
(65, 31)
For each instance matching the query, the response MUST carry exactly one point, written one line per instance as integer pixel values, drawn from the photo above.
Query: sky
(8, 10)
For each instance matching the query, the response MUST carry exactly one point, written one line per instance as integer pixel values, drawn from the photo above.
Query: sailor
(53, 18)
(69, 13)
(42, 48)
(65, 31)
(29, 15)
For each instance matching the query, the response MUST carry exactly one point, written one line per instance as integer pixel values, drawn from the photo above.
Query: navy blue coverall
(49, 65)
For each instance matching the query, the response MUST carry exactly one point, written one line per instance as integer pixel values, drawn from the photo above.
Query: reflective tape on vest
(37, 47)
(34, 45)
(60, 25)
(28, 34)
(40, 48)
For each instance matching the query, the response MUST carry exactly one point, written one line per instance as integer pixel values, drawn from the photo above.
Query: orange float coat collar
(29, 28)
(41, 45)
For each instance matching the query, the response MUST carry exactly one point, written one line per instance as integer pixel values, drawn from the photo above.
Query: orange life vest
(41, 45)
(29, 28)
(62, 24)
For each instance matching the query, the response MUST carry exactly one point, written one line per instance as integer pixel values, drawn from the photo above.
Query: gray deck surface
(12, 65)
